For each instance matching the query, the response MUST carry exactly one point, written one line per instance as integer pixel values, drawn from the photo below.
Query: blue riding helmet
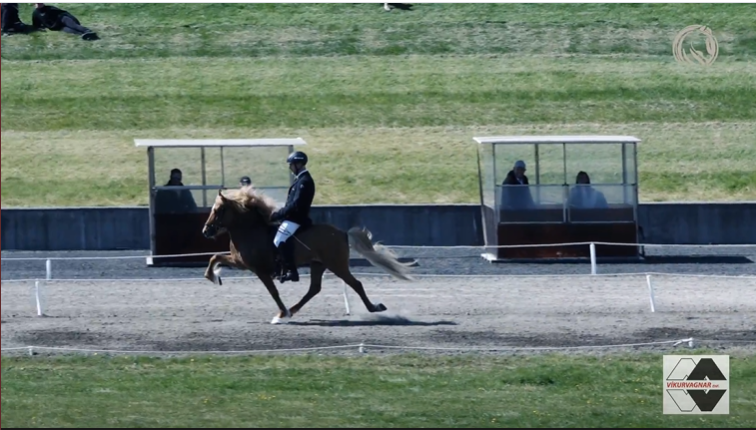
(297, 157)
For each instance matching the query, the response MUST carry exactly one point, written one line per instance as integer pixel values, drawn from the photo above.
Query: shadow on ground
(371, 321)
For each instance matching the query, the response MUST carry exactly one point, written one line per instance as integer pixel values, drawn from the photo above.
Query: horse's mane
(248, 198)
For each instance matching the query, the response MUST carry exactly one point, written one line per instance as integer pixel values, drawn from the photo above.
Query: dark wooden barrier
(546, 225)
(547, 233)
(182, 234)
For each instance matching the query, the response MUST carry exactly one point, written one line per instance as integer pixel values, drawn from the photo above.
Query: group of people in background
(582, 196)
(44, 18)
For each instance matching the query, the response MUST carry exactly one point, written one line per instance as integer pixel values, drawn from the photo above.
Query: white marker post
(593, 258)
(651, 293)
(48, 269)
(346, 298)
(39, 301)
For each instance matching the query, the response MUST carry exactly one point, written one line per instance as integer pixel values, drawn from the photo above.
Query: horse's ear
(220, 193)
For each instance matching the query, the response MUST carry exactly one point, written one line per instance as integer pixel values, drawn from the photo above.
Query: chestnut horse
(245, 215)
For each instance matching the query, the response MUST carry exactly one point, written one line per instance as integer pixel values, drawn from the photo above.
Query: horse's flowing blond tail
(378, 255)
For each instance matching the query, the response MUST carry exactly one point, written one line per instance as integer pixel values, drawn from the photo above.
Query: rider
(295, 214)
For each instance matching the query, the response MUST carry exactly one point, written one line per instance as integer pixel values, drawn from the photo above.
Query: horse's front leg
(212, 273)
(283, 313)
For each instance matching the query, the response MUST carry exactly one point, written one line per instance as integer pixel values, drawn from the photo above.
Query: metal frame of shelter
(558, 220)
(180, 233)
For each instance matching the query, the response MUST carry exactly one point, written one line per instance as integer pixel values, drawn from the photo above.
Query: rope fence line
(479, 247)
(362, 347)
(548, 245)
(385, 275)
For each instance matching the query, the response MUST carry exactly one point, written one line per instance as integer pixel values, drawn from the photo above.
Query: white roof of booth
(196, 143)
(556, 139)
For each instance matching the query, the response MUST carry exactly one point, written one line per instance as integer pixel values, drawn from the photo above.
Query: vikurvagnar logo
(696, 384)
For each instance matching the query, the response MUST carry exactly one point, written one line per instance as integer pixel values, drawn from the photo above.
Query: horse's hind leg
(271, 286)
(345, 274)
(317, 270)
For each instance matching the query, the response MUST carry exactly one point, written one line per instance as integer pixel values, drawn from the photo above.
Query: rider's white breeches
(285, 231)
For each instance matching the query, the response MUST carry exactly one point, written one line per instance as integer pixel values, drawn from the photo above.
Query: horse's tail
(378, 255)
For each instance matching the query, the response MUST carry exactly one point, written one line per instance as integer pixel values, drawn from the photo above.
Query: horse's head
(220, 217)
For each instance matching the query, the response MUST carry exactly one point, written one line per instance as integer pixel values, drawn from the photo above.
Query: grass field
(398, 391)
(388, 102)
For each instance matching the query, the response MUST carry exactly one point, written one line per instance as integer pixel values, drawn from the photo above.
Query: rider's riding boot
(280, 262)
(287, 250)
(278, 267)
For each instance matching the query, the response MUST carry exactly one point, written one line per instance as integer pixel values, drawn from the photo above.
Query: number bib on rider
(285, 231)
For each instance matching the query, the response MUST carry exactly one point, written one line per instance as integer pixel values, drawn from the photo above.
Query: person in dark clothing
(179, 201)
(55, 19)
(517, 196)
(11, 23)
(295, 214)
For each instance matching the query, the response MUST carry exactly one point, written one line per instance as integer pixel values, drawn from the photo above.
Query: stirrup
(290, 275)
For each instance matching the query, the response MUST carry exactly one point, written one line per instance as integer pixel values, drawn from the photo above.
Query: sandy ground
(458, 313)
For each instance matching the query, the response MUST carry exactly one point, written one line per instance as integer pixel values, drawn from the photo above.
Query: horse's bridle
(217, 224)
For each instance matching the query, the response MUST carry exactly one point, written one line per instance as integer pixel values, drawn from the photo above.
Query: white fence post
(48, 269)
(346, 298)
(39, 301)
(593, 258)
(651, 293)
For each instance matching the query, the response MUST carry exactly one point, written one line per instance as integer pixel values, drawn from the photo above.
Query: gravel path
(126, 305)
(433, 312)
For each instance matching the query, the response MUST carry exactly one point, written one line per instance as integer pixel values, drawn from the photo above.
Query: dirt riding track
(441, 312)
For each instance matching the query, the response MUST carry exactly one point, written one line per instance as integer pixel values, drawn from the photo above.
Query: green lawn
(388, 102)
(312, 391)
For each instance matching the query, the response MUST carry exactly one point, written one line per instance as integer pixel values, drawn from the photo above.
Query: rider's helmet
(297, 157)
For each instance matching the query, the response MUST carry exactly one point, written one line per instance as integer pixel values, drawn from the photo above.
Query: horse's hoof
(380, 307)
(220, 281)
(278, 319)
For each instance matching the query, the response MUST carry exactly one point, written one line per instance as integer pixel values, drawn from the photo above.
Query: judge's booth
(553, 203)
(178, 211)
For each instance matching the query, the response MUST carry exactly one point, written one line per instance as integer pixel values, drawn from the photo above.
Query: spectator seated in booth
(517, 196)
(584, 196)
(55, 19)
(179, 201)
(11, 23)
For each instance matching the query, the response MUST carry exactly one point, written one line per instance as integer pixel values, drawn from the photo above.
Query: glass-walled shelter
(557, 189)
(184, 177)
